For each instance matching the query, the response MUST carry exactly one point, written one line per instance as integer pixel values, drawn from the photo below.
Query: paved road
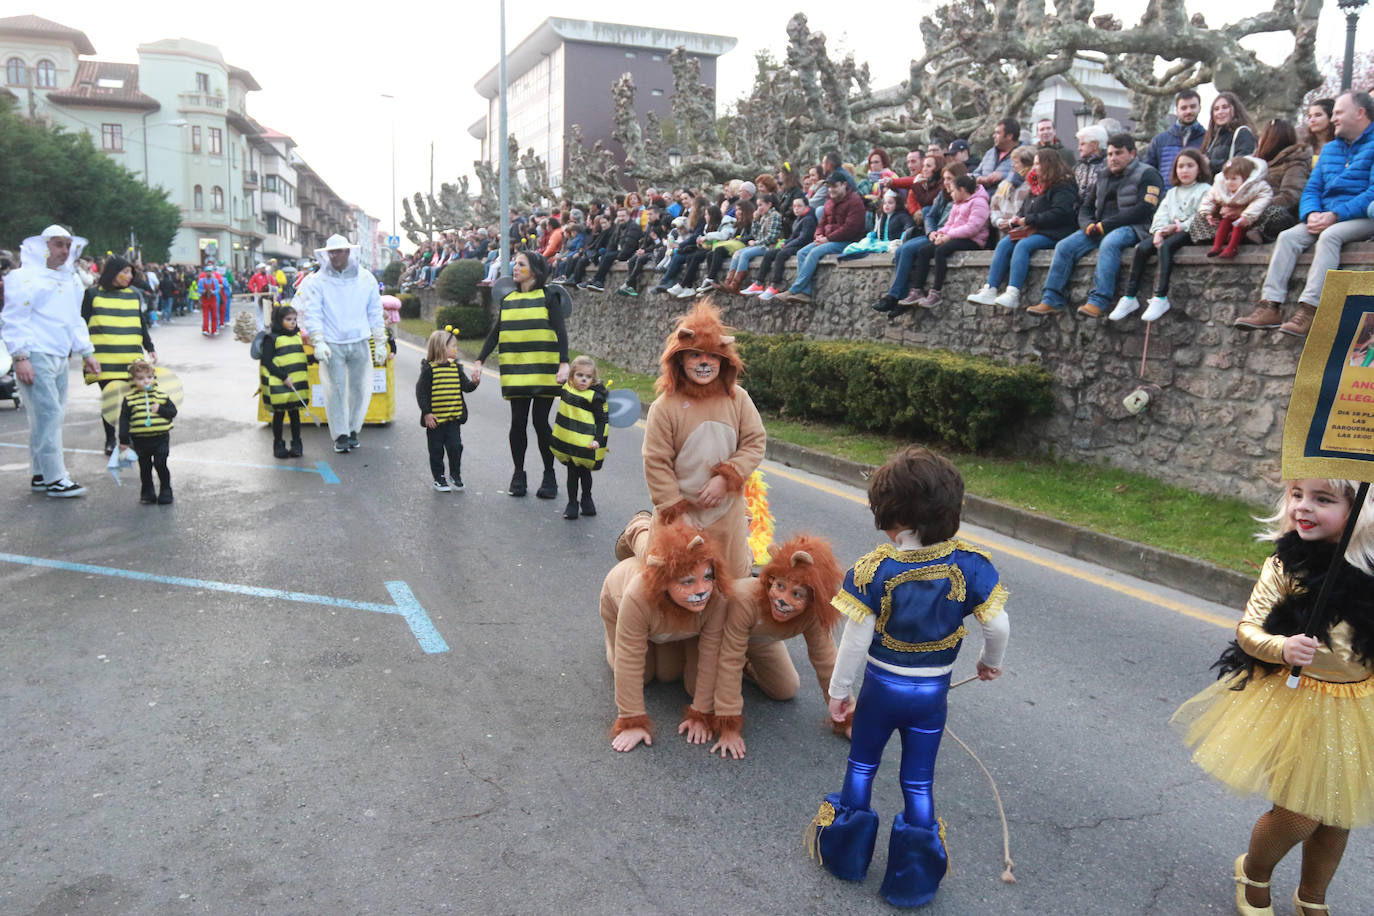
(190, 748)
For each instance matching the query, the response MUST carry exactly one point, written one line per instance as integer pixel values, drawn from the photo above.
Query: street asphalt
(234, 705)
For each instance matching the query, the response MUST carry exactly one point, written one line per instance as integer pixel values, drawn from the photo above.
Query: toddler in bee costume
(145, 422)
(906, 602)
(703, 437)
(579, 432)
(443, 409)
(284, 379)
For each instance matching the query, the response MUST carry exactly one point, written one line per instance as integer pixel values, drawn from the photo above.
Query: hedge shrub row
(469, 320)
(918, 394)
(457, 282)
(391, 273)
(410, 304)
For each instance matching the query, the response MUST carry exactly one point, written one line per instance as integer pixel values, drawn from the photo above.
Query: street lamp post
(1351, 8)
(394, 229)
(503, 180)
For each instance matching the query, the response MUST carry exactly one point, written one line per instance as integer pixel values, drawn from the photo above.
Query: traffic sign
(393, 241)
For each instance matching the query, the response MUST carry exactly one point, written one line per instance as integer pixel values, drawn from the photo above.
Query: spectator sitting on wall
(841, 223)
(1229, 132)
(1319, 130)
(1092, 160)
(775, 260)
(1047, 138)
(996, 165)
(1007, 201)
(1332, 212)
(620, 246)
(959, 151)
(1127, 195)
(1185, 133)
(933, 216)
(921, 183)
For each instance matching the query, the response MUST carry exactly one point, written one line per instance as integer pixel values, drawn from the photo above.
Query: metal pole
(431, 187)
(145, 150)
(503, 196)
(394, 230)
(1351, 18)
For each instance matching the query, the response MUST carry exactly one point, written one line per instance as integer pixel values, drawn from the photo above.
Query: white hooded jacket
(340, 306)
(42, 309)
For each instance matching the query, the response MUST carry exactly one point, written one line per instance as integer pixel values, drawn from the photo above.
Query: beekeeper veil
(34, 252)
(335, 243)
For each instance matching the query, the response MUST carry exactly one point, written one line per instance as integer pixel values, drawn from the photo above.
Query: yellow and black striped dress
(446, 399)
(116, 328)
(581, 421)
(528, 347)
(287, 385)
(143, 409)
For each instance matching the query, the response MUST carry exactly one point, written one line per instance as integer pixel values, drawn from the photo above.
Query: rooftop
(102, 84)
(38, 27)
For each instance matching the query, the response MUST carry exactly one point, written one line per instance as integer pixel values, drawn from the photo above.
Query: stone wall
(1215, 422)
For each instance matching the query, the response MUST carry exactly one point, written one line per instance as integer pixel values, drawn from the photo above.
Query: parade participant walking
(533, 344)
(906, 603)
(284, 378)
(118, 328)
(1308, 750)
(443, 409)
(41, 326)
(209, 287)
(145, 422)
(343, 308)
(580, 431)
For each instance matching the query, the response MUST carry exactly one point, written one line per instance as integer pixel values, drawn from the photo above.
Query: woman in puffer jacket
(1290, 165)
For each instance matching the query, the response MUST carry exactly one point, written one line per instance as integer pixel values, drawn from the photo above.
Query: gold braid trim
(824, 818)
(958, 591)
(965, 545)
(948, 642)
(993, 606)
(851, 607)
(949, 866)
(867, 567)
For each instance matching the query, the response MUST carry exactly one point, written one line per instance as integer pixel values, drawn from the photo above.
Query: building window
(195, 139)
(217, 198)
(16, 74)
(269, 183)
(112, 137)
(198, 198)
(203, 83)
(216, 141)
(272, 224)
(47, 74)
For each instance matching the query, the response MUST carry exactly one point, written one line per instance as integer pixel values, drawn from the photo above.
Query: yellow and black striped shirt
(284, 373)
(115, 321)
(141, 412)
(440, 391)
(581, 421)
(529, 349)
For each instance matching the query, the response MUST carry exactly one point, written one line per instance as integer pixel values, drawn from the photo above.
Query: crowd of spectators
(1225, 183)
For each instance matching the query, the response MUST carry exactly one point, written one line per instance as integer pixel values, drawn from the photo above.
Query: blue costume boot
(842, 838)
(916, 861)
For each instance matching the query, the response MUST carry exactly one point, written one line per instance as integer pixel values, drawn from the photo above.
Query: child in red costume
(703, 437)
(651, 605)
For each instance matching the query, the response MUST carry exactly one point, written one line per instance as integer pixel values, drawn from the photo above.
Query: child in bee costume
(704, 437)
(579, 432)
(284, 379)
(145, 422)
(443, 409)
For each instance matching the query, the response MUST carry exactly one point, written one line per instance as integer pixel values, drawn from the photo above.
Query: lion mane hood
(699, 329)
(808, 560)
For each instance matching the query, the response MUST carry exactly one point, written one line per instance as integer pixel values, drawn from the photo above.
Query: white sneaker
(985, 296)
(1124, 306)
(768, 295)
(1011, 299)
(1157, 306)
(675, 289)
(685, 292)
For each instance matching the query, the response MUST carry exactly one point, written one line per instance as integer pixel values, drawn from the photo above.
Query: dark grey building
(561, 75)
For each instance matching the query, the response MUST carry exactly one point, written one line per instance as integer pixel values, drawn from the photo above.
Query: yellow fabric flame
(760, 518)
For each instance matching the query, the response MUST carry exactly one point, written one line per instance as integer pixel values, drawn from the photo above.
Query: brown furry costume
(641, 621)
(695, 432)
(753, 635)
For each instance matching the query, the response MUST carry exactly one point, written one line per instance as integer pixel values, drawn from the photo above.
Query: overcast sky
(324, 67)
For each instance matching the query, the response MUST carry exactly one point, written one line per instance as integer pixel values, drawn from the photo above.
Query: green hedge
(903, 391)
(410, 305)
(470, 321)
(391, 273)
(457, 282)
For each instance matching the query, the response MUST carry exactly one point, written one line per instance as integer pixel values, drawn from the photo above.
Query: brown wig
(805, 559)
(699, 329)
(920, 490)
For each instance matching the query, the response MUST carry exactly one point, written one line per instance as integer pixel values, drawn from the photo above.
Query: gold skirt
(1310, 749)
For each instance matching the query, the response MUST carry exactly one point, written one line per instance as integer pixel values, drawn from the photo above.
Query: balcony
(202, 102)
(250, 181)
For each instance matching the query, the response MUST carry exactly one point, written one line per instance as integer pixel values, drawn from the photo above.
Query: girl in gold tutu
(1309, 750)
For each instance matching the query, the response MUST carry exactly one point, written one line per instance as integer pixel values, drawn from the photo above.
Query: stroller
(9, 388)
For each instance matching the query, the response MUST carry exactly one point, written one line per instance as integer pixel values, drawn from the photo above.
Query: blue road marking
(406, 606)
(321, 467)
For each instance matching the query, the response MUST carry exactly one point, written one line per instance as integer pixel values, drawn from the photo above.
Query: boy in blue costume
(906, 603)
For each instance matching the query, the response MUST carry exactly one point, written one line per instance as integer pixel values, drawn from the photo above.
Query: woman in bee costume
(114, 315)
(533, 345)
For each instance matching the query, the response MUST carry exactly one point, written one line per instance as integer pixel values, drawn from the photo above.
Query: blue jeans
(808, 259)
(674, 268)
(1011, 260)
(906, 256)
(1066, 254)
(742, 257)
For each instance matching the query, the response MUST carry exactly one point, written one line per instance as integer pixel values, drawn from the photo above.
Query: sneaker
(706, 286)
(885, 304)
(1010, 298)
(1044, 308)
(913, 297)
(985, 296)
(1156, 307)
(352, 440)
(684, 292)
(457, 483)
(341, 444)
(1265, 317)
(441, 485)
(629, 291)
(1297, 326)
(65, 488)
(623, 291)
(930, 300)
(582, 285)
(165, 498)
(768, 295)
(570, 511)
(37, 484)
(1124, 306)
(548, 487)
(517, 484)
(595, 287)
(1088, 310)
(674, 290)
(752, 289)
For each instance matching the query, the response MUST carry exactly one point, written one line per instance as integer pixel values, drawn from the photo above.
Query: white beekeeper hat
(337, 242)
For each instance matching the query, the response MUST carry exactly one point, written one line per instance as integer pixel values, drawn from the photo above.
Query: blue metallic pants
(916, 707)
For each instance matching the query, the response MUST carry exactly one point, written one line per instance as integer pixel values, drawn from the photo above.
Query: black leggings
(152, 454)
(295, 423)
(940, 254)
(1167, 249)
(576, 474)
(543, 432)
(109, 428)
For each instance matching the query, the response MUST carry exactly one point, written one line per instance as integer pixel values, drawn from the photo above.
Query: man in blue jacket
(1186, 133)
(1334, 210)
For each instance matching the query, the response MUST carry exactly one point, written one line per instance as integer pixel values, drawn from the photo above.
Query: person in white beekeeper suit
(343, 309)
(41, 326)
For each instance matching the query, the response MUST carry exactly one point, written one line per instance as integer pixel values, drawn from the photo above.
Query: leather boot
(1301, 322)
(732, 281)
(279, 449)
(296, 449)
(1266, 316)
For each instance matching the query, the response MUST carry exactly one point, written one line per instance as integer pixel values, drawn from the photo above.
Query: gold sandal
(1244, 908)
(1302, 908)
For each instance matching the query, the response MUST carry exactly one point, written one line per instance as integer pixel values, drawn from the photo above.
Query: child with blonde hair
(145, 423)
(579, 432)
(443, 409)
